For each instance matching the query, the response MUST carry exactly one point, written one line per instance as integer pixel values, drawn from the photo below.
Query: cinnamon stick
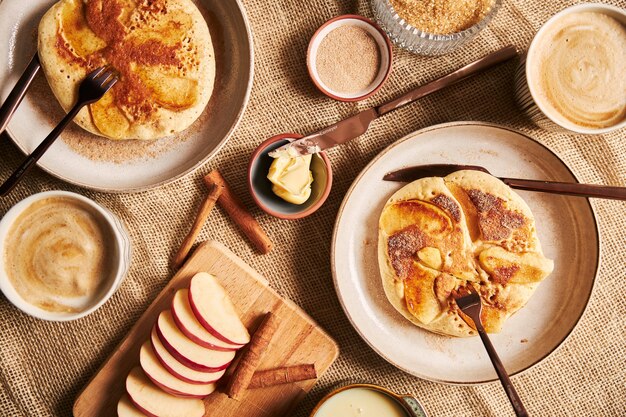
(284, 375)
(207, 205)
(251, 357)
(239, 214)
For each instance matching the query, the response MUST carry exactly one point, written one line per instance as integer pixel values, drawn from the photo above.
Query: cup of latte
(62, 255)
(573, 77)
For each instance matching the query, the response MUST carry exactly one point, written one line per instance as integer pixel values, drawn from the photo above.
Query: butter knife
(567, 188)
(358, 124)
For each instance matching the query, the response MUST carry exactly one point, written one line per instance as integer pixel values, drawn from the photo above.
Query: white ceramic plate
(567, 229)
(33, 120)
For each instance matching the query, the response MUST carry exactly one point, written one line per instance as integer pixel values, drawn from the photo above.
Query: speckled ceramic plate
(141, 166)
(567, 229)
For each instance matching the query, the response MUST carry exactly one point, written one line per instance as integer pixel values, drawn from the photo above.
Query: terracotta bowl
(261, 188)
(384, 45)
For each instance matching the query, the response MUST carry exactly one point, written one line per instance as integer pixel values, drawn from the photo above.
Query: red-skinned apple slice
(154, 402)
(165, 380)
(215, 311)
(186, 351)
(125, 408)
(179, 370)
(186, 321)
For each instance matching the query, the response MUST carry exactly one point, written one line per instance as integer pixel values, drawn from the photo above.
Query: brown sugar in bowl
(349, 62)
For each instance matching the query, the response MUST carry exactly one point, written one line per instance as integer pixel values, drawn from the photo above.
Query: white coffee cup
(526, 88)
(121, 257)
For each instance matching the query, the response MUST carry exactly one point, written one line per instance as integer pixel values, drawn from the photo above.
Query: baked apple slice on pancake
(170, 90)
(108, 118)
(73, 28)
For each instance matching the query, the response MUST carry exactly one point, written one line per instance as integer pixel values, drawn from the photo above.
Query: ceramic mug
(409, 405)
(122, 254)
(526, 93)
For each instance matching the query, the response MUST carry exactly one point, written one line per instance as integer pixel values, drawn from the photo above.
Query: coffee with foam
(58, 254)
(579, 70)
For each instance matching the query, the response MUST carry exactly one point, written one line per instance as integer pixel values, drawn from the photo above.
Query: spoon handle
(516, 402)
(575, 189)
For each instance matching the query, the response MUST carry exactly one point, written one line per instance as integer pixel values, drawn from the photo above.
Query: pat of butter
(291, 177)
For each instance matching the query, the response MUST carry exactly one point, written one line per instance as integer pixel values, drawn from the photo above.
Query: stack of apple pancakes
(440, 238)
(162, 50)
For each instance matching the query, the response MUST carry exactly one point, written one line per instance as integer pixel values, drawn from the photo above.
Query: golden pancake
(162, 50)
(443, 237)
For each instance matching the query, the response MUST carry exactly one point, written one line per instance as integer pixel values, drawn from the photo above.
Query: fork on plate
(91, 89)
(472, 306)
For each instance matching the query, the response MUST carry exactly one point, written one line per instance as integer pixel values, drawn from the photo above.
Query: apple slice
(108, 118)
(169, 89)
(189, 325)
(176, 368)
(215, 311)
(186, 351)
(74, 29)
(154, 402)
(165, 380)
(125, 408)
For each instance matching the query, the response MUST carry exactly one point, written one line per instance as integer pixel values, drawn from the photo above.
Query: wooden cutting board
(298, 340)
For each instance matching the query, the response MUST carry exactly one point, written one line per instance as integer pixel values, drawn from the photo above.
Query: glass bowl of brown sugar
(434, 27)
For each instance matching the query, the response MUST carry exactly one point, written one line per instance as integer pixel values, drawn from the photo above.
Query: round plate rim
(360, 176)
(190, 170)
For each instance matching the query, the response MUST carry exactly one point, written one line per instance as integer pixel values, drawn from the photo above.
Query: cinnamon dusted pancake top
(161, 48)
(442, 237)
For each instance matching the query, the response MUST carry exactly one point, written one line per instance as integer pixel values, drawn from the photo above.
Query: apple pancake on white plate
(162, 50)
(444, 237)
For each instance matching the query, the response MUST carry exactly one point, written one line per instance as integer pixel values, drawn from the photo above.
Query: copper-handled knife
(356, 125)
(574, 189)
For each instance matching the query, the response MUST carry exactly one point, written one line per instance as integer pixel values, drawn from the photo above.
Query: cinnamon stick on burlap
(284, 375)
(215, 191)
(239, 214)
(251, 357)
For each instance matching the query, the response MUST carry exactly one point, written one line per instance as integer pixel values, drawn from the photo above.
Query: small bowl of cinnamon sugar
(349, 58)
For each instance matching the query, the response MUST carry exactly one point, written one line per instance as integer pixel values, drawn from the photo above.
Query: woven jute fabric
(44, 365)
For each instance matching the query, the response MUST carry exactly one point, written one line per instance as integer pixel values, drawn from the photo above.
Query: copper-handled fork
(91, 89)
(471, 305)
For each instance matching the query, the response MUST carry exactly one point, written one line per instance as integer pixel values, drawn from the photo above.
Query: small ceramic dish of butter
(288, 186)
(62, 255)
(367, 400)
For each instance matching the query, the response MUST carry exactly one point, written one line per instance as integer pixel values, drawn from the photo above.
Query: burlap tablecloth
(44, 365)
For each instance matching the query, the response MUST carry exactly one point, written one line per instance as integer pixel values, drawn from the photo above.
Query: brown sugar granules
(442, 17)
(348, 59)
